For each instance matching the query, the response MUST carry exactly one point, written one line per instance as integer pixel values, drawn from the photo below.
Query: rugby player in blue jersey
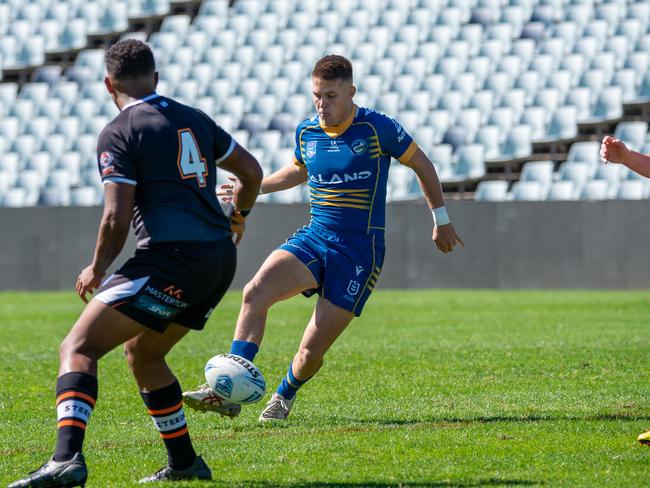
(157, 160)
(344, 154)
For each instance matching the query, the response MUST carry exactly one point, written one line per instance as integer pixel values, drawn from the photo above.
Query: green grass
(428, 388)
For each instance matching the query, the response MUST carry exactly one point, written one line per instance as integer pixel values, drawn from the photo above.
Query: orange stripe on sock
(163, 411)
(71, 423)
(175, 434)
(76, 394)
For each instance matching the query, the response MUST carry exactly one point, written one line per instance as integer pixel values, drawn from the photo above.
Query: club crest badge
(360, 146)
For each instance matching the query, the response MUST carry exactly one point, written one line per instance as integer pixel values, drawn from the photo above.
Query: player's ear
(155, 79)
(353, 90)
(109, 85)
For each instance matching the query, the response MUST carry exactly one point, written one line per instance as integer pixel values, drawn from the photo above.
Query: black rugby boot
(198, 471)
(55, 474)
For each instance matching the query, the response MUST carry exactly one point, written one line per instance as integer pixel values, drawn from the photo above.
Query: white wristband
(440, 216)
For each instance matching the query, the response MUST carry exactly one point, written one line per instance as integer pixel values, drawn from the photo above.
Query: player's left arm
(444, 234)
(113, 231)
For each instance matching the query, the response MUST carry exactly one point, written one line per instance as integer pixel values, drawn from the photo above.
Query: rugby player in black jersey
(158, 162)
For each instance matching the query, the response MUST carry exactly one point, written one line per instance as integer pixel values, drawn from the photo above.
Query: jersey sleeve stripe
(408, 154)
(231, 148)
(117, 179)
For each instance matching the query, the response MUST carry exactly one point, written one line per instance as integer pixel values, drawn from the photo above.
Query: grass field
(428, 388)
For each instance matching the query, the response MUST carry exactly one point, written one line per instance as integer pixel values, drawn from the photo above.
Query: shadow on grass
(500, 418)
(403, 484)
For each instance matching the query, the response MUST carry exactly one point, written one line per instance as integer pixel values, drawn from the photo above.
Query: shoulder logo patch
(311, 149)
(105, 159)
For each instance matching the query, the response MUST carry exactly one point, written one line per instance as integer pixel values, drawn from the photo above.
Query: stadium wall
(508, 245)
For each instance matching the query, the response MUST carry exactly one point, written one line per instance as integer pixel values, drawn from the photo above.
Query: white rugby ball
(235, 378)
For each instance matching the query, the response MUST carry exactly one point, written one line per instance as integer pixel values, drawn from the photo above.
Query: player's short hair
(333, 67)
(129, 59)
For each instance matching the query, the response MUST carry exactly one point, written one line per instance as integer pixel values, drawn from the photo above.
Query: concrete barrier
(508, 245)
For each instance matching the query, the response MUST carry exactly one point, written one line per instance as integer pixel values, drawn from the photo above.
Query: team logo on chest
(359, 146)
(311, 149)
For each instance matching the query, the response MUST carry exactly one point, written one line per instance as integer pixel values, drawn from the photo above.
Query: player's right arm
(284, 178)
(615, 151)
(113, 231)
(249, 175)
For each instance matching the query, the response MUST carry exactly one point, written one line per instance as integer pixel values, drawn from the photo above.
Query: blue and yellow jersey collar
(337, 130)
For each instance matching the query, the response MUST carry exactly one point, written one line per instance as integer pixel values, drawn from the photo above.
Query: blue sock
(290, 385)
(245, 349)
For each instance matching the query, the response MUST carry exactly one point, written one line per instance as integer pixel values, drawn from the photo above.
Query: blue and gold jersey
(348, 168)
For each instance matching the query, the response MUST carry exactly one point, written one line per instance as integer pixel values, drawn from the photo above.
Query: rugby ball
(235, 378)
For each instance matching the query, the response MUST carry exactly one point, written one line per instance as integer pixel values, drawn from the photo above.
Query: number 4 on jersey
(190, 162)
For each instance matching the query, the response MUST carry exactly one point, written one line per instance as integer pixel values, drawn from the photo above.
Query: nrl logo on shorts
(360, 146)
(353, 287)
(311, 149)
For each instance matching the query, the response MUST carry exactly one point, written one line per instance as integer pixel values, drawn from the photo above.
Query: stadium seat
(533, 30)
(576, 172)
(515, 16)
(85, 196)
(498, 82)
(561, 191)
(563, 125)
(503, 118)
(612, 174)
(481, 67)
(8, 95)
(526, 191)
(36, 92)
(492, 49)
(540, 171)
(491, 191)
(441, 157)
(402, 183)
(465, 83)
(39, 127)
(470, 162)
(489, 136)
(595, 190)
(632, 133)
(455, 137)
(517, 144)
(625, 79)
(16, 197)
(609, 105)
(535, 118)
(10, 127)
(483, 100)
(549, 99)
(580, 98)
(6, 182)
(585, 152)
(632, 190)
(529, 81)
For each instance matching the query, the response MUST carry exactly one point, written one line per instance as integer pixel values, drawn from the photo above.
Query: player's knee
(139, 358)
(255, 296)
(310, 358)
(73, 346)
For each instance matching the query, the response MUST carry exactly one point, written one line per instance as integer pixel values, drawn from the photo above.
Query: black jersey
(170, 152)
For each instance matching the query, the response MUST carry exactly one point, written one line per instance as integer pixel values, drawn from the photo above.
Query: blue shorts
(346, 267)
